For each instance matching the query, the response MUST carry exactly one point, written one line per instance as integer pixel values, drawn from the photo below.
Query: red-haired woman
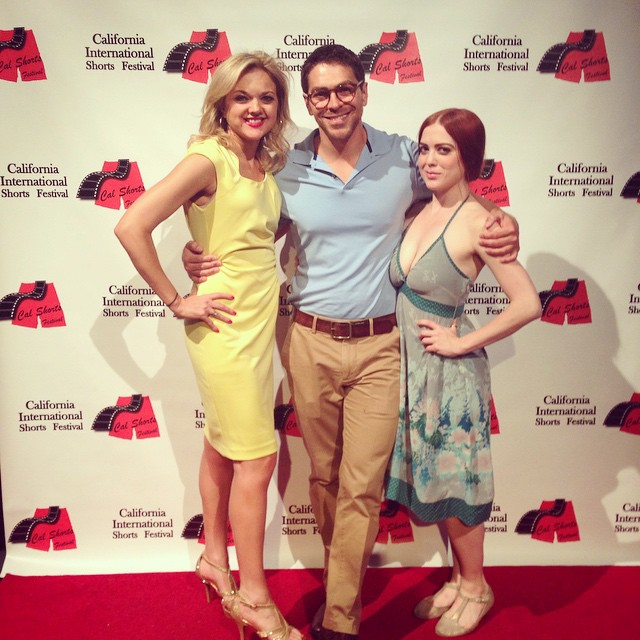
(441, 464)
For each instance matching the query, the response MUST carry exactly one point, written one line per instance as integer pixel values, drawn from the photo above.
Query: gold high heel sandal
(426, 610)
(208, 585)
(450, 627)
(279, 633)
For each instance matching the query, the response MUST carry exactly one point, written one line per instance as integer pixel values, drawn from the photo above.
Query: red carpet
(555, 603)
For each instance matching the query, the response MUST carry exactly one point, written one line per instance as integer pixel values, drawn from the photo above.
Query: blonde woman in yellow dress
(232, 204)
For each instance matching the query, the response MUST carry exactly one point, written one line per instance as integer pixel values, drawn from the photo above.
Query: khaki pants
(346, 397)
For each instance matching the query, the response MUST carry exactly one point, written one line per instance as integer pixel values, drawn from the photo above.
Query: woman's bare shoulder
(474, 212)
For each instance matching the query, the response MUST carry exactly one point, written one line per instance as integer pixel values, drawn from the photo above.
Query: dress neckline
(439, 238)
(236, 159)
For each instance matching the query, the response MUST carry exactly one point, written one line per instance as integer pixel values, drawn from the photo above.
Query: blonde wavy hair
(273, 148)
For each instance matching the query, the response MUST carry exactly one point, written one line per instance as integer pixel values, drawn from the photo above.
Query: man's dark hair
(331, 54)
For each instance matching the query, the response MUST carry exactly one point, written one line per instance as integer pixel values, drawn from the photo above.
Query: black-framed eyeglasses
(345, 92)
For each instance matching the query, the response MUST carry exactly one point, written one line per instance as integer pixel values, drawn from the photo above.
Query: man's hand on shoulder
(501, 236)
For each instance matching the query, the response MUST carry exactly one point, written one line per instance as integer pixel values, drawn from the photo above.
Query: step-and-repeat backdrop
(101, 424)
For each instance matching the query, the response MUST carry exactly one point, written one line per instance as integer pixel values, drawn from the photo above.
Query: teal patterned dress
(441, 462)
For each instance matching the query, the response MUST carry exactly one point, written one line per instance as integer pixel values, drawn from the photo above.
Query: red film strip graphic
(555, 519)
(625, 415)
(194, 530)
(491, 184)
(631, 187)
(285, 420)
(34, 301)
(47, 528)
(396, 54)
(584, 53)
(118, 182)
(129, 414)
(395, 523)
(19, 54)
(197, 59)
(494, 423)
(566, 298)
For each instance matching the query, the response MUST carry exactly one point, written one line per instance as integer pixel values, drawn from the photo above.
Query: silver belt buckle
(335, 337)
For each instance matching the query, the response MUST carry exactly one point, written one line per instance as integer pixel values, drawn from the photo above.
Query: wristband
(176, 297)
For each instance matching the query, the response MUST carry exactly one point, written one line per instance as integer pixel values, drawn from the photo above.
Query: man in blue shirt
(346, 190)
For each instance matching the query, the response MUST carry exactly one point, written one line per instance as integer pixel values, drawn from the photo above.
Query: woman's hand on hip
(204, 308)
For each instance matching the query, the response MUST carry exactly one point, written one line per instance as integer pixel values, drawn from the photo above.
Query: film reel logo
(566, 299)
(494, 422)
(583, 55)
(284, 416)
(33, 302)
(554, 520)
(491, 183)
(48, 528)
(117, 183)
(395, 523)
(19, 55)
(129, 414)
(194, 530)
(625, 415)
(631, 188)
(197, 59)
(396, 55)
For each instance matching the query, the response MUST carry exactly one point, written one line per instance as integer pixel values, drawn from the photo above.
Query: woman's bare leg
(215, 479)
(468, 547)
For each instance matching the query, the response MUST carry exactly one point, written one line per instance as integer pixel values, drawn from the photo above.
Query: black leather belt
(346, 329)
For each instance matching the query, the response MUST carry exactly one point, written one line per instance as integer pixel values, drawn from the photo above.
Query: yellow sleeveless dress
(234, 368)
